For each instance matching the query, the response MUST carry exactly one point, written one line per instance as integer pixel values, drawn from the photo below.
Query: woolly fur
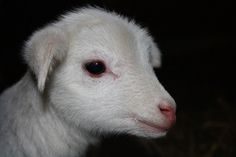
(57, 109)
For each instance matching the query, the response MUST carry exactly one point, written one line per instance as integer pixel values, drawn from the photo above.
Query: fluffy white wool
(57, 109)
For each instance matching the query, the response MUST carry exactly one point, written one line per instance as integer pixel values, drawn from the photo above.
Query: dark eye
(95, 68)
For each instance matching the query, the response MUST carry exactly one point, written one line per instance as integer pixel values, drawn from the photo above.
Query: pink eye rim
(95, 68)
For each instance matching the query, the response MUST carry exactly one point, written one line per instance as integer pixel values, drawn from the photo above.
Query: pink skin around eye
(107, 71)
(115, 76)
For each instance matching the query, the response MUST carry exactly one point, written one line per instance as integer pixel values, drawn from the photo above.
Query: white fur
(56, 109)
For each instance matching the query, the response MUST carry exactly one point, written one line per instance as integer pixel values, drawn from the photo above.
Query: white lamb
(90, 73)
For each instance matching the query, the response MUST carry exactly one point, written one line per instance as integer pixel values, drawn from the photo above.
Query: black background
(196, 39)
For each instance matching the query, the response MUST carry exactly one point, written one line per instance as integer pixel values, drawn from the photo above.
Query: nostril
(167, 110)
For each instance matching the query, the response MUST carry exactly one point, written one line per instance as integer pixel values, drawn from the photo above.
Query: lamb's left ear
(155, 55)
(44, 49)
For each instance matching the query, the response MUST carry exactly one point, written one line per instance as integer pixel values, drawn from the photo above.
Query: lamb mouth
(152, 126)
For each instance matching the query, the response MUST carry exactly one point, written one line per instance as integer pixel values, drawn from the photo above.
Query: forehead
(112, 37)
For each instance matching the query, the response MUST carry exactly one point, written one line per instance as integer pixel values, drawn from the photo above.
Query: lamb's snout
(168, 110)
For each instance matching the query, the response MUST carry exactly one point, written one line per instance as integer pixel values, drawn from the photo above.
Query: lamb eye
(95, 68)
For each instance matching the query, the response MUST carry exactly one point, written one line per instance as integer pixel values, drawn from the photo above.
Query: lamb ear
(155, 55)
(43, 50)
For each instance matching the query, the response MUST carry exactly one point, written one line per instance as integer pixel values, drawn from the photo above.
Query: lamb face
(105, 80)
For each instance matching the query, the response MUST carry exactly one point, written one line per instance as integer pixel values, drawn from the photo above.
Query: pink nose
(168, 111)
